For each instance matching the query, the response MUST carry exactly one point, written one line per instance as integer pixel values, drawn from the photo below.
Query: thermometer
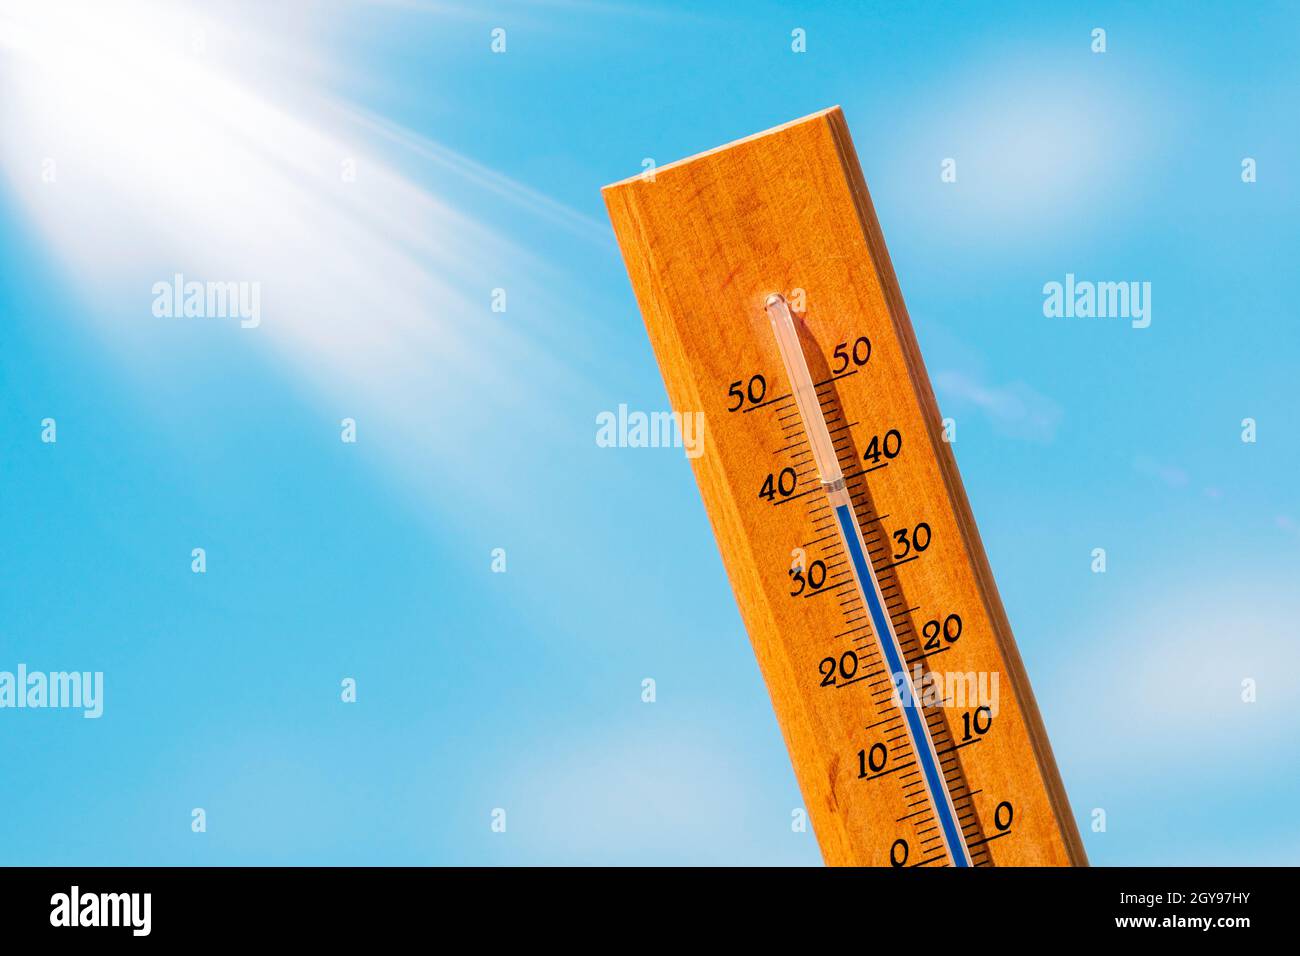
(866, 591)
(830, 482)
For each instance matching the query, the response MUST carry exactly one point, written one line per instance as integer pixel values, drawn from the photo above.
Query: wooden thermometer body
(706, 242)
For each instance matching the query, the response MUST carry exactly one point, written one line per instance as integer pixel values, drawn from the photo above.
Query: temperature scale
(769, 297)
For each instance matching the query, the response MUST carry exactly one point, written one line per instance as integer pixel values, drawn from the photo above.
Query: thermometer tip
(776, 298)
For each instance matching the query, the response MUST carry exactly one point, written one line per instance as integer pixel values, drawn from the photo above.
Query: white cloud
(1171, 475)
(1015, 410)
(375, 292)
(1158, 680)
(1041, 147)
(652, 790)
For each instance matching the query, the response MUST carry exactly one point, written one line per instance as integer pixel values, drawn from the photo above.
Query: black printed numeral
(949, 630)
(779, 485)
(885, 446)
(859, 354)
(845, 669)
(753, 393)
(812, 580)
(917, 539)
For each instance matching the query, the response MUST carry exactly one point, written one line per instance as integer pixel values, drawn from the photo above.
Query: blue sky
(214, 144)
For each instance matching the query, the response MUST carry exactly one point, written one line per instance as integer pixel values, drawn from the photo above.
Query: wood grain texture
(705, 242)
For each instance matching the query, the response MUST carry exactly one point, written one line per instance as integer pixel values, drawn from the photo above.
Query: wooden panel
(705, 242)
